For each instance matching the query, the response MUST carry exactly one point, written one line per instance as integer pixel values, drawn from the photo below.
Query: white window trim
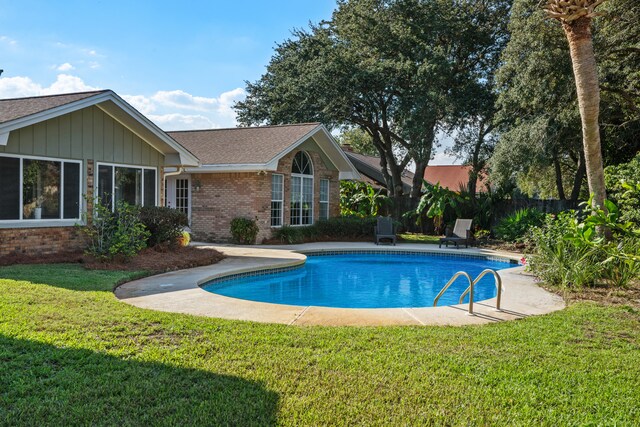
(281, 200)
(302, 178)
(320, 201)
(49, 222)
(113, 180)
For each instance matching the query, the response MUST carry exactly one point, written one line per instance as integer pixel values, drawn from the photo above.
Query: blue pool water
(364, 281)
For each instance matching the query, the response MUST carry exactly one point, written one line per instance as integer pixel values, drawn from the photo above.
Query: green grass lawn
(418, 238)
(71, 354)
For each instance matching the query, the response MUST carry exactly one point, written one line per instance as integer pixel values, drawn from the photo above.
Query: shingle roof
(250, 145)
(16, 108)
(370, 167)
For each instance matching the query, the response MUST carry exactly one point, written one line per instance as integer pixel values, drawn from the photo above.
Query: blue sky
(183, 64)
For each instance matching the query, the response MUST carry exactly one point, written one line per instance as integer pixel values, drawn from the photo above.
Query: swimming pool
(363, 280)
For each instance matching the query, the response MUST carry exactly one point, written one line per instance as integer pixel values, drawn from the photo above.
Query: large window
(324, 199)
(277, 199)
(36, 188)
(132, 184)
(301, 190)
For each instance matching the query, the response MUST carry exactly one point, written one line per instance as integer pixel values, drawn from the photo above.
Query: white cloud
(170, 110)
(177, 121)
(15, 87)
(66, 83)
(8, 40)
(140, 103)
(65, 67)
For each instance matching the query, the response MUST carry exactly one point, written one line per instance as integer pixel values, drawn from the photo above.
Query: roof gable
(16, 108)
(259, 148)
(22, 112)
(241, 146)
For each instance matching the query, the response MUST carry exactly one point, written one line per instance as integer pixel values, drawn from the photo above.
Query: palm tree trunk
(578, 33)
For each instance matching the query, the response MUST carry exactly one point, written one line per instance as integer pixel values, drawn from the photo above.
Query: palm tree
(576, 16)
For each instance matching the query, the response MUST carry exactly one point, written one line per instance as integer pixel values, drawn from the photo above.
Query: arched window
(301, 190)
(302, 164)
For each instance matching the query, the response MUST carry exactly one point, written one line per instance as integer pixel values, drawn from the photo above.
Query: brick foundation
(40, 241)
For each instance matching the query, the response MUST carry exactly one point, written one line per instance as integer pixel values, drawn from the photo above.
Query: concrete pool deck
(179, 291)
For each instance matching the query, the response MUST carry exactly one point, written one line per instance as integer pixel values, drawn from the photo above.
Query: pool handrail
(498, 283)
(450, 282)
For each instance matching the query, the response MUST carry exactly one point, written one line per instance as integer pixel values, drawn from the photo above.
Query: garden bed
(152, 260)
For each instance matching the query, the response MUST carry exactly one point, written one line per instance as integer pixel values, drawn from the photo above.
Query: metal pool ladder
(469, 290)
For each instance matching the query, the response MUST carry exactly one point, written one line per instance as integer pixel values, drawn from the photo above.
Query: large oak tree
(398, 69)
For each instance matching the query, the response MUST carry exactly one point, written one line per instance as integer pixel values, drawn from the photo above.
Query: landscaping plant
(244, 230)
(361, 199)
(435, 202)
(513, 228)
(165, 225)
(568, 251)
(115, 234)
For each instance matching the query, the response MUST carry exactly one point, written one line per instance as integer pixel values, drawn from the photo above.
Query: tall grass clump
(591, 247)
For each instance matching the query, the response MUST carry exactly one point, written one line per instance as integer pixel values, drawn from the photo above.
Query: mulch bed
(153, 260)
(607, 295)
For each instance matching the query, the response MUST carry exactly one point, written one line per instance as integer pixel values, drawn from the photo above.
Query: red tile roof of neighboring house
(451, 176)
(248, 145)
(16, 108)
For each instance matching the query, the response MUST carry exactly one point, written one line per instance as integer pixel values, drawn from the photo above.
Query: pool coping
(180, 292)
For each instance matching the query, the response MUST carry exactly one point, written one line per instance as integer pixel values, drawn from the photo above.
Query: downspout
(178, 172)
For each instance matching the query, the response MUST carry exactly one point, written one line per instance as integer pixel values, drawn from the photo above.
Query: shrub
(288, 234)
(349, 227)
(117, 234)
(165, 225)
(568, 251)
(513, 228)
(244, 230)
(623, 188)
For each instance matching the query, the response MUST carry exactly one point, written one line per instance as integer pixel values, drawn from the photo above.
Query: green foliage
(539, 118)
(434, 203)
(361, 199)
(244, 230)
(513, 227)
(359, 141)
(339, 228)
(164, 224)
(623, 187)
(399, 69)
(118, 234)
(569, 251)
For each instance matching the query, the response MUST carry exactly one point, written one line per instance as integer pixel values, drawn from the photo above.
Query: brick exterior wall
(40, 241)
(224, 196)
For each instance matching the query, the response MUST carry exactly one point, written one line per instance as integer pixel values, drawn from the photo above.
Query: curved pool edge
(179, 291)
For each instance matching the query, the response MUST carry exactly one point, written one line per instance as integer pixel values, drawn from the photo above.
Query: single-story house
(370, 170)
(278, 175)
(57, 152)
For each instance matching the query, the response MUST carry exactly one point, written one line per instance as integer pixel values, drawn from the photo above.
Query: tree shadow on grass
(45, 385)
(73, 277)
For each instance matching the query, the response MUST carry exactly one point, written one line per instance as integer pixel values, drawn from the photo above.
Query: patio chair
(385, 230)
(461, 234)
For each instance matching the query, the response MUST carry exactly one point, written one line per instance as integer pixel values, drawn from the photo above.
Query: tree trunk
(577, 181)
(558, 170)
(578, 34)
